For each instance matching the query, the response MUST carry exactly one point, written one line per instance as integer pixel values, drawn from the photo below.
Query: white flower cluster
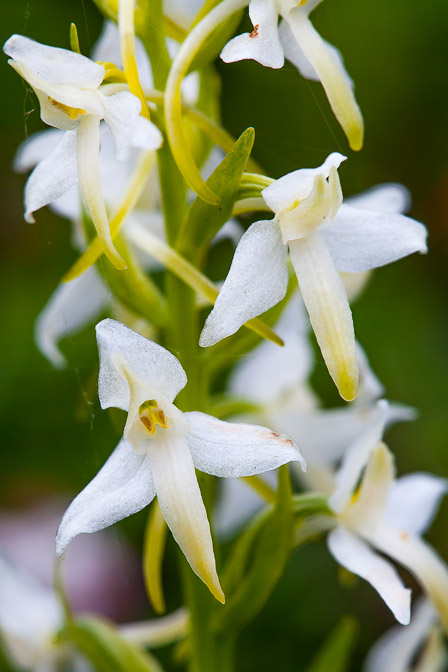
(104, 172)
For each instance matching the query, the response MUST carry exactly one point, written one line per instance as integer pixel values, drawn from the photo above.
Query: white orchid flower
(297, 40)
(397, 649)
(68, 86)
(389, 516)
(30, 617)
(324, 237)
(160, 449)
(287, 403)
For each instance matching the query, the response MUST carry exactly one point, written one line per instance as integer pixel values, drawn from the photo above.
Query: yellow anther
(112, 72)
(151, 416)
(72, 112)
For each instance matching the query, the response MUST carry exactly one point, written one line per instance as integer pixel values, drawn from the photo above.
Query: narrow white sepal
(358, 558)
(52, 176)
(228, 449)
(360, 240)
(123, 486)
(413, 502)
(257, 280)
(70, 307)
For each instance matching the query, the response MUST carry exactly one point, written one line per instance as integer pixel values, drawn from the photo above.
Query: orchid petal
(182, 507)
(35, 148)
(296, 186)
(413, 502)
(367, 509)
(228, 449)
(29, 610)
(420, 559)
(262, 44)
(269, 371)
(87, 158)
(257, 280)
(122, 115)
(326, 301)
(123, 486)
(294, 54)
(328, 65)
(357, 456)
(52, 176)
(358, 558)
(55, 65)
(363, 239)
(388, 197)
(156, 367)
(183, 12)
(395, 651)
(71, 306)
(370, 388)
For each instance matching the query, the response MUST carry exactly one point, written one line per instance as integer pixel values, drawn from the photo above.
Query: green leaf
(102, 643)
(203, 220)
(271, 549)
(336, 652)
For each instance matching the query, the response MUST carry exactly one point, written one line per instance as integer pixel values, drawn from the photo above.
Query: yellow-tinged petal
(127, 45)
(173, 102)
(87, 157)
(333, 77)
(131, 196)
(326, 301)
(182, 507)
(153, 552)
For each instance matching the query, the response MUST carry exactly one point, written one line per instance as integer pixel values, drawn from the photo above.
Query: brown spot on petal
(404, 536)
(254, 33)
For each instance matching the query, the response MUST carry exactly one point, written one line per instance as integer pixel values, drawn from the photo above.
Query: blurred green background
(54, 435)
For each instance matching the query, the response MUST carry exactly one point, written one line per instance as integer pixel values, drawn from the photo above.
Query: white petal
(263, 44)
(155, 367)
(363, 239)
(418, 558)
(413, 502)
(355, 284)
(326, 301)
(295, 55)
(53, 176)
(145, 134)
(57, 66)
(35, 148)
(257, 280)
(182, 507)
(122, 487)
(121, 111)
(269, 371)
(296, 186)
(367, 509)
(357, 456)
(358, 558)
(395, 651)
(73, 305)
(388, 197)
(29, 610)
(328, 65)
(229, 449)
